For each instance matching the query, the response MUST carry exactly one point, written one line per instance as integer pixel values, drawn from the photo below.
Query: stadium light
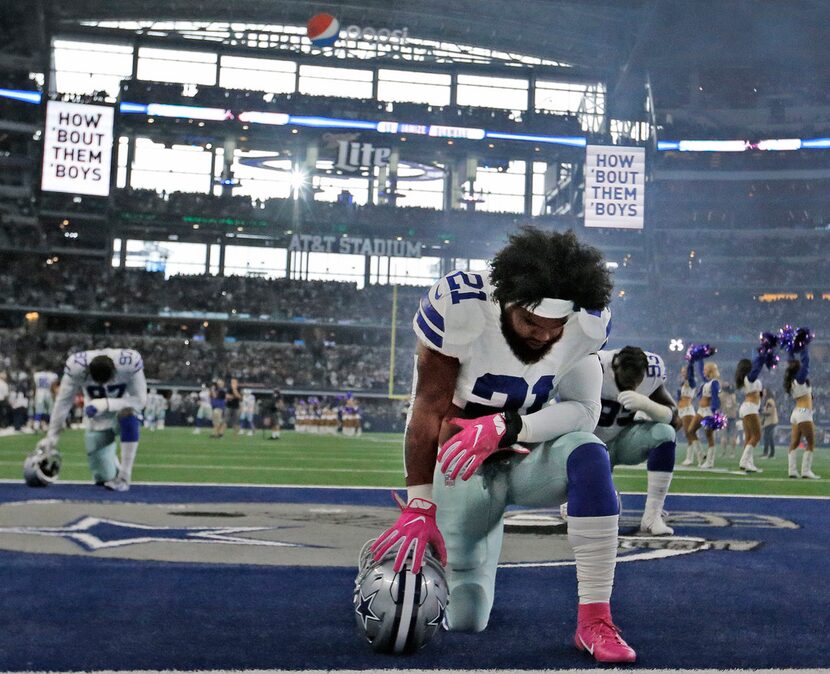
(299, 179)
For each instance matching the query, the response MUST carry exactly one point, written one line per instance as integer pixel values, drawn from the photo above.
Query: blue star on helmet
(364, 608)
(437, 620)
(94, 533)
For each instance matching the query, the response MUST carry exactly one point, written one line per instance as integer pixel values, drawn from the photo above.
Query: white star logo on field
(95, 533)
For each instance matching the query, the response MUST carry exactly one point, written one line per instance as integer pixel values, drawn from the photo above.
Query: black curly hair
(536, 264)
(629, 364)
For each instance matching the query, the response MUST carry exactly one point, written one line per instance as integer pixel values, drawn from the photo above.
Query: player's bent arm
(662, 398)
(136, 397)
(579, 407)
(436, 377)
(64, 400)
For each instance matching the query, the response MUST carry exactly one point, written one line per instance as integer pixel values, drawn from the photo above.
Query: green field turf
(372, 460)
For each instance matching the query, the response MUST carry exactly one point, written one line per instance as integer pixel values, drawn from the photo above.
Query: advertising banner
(77, 148)
(614, 186)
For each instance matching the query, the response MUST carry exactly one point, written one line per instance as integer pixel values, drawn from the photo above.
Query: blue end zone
(716, 609)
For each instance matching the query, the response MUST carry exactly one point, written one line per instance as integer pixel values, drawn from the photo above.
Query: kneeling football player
(115, 392)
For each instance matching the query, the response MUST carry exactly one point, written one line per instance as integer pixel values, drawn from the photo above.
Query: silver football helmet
(399, 612)
(41, 467)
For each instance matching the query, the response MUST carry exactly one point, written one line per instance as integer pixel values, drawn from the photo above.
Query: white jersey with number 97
(126, 389)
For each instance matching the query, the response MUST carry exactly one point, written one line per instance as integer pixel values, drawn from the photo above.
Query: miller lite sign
(352, 155)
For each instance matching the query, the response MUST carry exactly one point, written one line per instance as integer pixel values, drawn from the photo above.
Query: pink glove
(415, 528)
(478, 439)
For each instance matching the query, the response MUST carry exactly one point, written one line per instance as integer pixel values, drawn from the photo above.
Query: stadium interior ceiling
(188, 198)
(617, 39)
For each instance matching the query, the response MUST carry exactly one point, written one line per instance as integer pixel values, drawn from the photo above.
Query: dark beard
(521, 350)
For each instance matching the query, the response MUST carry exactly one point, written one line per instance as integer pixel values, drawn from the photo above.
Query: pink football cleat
(597, 634)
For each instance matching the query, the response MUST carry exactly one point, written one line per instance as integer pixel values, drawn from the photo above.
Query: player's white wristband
(419, 491)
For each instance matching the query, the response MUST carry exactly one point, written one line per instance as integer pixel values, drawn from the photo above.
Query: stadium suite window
(504, 93)
(86, 67)
(413, 191)
(503, 191)
(172, 257)
(175, 65)
(264, 176)
(255, 261)
(271, 75)
(410, 271)
(408, 86)
(559, 96)
(180, 168)
(333, 187)
(333, 267)
(326, 81)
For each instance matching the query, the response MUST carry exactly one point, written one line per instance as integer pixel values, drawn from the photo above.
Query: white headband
(552, 308)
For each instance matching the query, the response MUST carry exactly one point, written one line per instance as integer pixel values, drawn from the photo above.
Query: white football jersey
(248, 403)
(614, 417)
(204, 397)
(128, 388)
(459, 318)
(44, 381)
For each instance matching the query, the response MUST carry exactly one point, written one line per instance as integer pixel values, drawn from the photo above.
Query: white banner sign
(614, 186)
(77, 148)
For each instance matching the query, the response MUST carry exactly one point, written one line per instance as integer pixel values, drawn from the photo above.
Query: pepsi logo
(323, 29)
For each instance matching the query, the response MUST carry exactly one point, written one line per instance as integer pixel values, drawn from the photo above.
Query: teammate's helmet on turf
(399, 612)
(41, 467)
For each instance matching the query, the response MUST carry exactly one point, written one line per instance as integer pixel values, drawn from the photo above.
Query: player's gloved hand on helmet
(415, 529)
(479, 438)
(97, 406)
(48, 444)
(637, 402)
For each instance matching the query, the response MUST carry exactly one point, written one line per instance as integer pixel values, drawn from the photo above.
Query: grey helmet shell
(399, 613)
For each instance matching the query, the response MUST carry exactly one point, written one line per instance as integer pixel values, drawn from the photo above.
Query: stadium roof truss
(292, 38)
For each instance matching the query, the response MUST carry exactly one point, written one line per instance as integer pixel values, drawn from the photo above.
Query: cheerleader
(709, 404)
(797, 384)
(686, 412)
(746, 380)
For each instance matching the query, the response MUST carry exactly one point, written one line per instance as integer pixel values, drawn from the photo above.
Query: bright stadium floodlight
(299, 180)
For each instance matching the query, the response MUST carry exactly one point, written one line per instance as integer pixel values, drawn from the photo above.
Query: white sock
(690, 453)
(806, 462)
(128, 452)
(658, 487)
(746, 457)
(594, 542)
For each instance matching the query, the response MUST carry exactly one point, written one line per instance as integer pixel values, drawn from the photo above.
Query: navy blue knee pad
(591, 490)
(661, 457)
(129, 425)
